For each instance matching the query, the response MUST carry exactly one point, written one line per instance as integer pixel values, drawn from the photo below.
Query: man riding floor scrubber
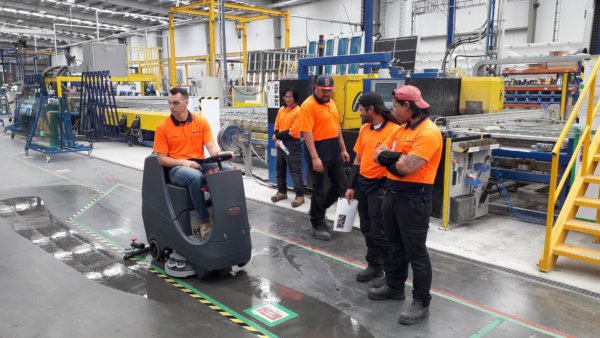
(168, 213)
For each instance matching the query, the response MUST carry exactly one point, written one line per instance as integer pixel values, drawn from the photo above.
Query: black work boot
(369, 274)
(385, 292)
(379, 282)
(320, 233)
(414, 314)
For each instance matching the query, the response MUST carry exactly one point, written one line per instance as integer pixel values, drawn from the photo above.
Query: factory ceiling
(76, 21)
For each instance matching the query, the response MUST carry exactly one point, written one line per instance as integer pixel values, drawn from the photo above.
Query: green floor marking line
(271, 314)
(456, 299)
(117, 247)
(103, 239)
(94, 202)
(73, 220)
(502, 316)
(441, 294)
(222, 306)
(488, 328)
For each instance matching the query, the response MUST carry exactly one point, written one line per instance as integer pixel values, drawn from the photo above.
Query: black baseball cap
(372, 99)
(324, 81)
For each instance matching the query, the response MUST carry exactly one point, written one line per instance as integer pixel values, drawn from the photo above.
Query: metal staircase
(558, 230)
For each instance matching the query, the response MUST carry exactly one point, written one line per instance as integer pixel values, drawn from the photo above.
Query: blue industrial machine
(275, 101)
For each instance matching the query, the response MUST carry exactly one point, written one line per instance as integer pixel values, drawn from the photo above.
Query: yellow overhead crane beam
(199, 8)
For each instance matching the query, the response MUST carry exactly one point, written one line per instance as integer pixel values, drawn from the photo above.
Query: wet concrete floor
(63, 225)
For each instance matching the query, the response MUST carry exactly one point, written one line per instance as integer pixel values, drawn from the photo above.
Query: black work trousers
(328, 186)
(293, 162)
(406, 223)
(371, 226)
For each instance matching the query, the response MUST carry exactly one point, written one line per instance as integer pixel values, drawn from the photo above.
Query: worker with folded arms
(411, 156)
(366, 183)
(326, 152)
(287, 141)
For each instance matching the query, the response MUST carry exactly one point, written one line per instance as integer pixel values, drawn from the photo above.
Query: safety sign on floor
(271, 314)
(116, 232)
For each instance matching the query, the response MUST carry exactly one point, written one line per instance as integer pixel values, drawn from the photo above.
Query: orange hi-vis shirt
(368, 141)
(424, 141)
(288, 119)
(322, 120)
(185, 140)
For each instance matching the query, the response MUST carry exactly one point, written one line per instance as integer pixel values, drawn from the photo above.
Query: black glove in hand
(283, 135)
(392, 169)
(387, 157)
(354, 171)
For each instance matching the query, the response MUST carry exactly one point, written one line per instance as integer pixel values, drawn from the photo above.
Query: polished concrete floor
(63, 225)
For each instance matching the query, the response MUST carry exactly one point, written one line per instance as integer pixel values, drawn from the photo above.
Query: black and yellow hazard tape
(86, 208)
(91, 233)
(200, 98)
(183, 287)
(212, 304)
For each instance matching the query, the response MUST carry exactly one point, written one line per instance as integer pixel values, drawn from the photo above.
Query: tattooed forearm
(409, 164)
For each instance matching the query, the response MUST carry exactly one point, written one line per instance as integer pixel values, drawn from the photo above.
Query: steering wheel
(218, 158)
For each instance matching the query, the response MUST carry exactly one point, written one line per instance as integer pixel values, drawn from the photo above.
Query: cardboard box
(558, 52)
(562, 65)
(537, 66)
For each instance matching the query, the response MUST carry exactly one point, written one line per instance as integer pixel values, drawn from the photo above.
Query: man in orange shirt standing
(411, 156)
(287, 138)
(326, 152)
(178, 139)
(366, 182)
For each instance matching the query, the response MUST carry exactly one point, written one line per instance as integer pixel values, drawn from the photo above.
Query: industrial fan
(232, 137)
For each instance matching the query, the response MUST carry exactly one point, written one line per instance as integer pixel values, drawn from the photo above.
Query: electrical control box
(348, 88)
(481, 95)
(105, 56)
(463, 177)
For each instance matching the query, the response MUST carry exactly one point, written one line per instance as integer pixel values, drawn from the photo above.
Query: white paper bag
(344, 215)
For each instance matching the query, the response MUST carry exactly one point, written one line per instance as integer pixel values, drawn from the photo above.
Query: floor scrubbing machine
(168, 214)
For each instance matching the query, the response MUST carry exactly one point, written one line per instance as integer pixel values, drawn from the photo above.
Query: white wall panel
(304, 30)
(396, 21)
(573, 20)
(260, 35)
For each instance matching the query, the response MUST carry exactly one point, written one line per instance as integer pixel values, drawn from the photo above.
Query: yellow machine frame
(211, 14)
(151, 62)
(147, 61)
(142, 78)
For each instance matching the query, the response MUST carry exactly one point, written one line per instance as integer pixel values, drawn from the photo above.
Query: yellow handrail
(583, 140)
(563, 179)
(554, 191)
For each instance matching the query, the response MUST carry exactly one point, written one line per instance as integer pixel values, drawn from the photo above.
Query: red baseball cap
(410, 93)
